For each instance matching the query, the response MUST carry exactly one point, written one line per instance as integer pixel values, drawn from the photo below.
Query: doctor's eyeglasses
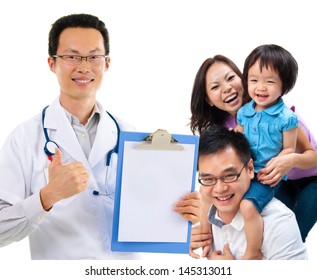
(230, 178)
(75, 60)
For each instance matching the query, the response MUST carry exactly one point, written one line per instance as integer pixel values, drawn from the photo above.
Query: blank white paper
(152, 182)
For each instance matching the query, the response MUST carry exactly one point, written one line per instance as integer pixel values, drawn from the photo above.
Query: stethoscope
(50, 146)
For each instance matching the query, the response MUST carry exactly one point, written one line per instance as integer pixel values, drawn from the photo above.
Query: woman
(216, 97)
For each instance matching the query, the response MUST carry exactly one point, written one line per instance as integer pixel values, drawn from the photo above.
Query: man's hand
(200, 238)
(64, 181)
(190, 207)
(219, 255)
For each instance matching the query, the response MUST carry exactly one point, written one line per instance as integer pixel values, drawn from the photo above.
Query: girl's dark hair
(276, 57)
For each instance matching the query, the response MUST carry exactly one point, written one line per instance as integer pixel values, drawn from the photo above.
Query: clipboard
(154, 171)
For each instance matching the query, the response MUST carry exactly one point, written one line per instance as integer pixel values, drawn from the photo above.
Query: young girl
(270, 126)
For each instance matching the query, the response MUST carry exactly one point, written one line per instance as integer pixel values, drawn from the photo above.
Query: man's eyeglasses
(230, 178)
(75, 60)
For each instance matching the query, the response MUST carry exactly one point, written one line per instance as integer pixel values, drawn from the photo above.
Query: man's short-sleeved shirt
(281, 236)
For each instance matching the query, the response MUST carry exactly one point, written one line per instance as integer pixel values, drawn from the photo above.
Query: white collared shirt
(281, 236)
(86, 134)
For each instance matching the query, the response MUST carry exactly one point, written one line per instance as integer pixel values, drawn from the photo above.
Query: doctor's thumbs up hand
(64, 181)
(57, 158)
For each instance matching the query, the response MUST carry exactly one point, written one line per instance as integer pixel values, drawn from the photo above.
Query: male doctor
(62, 198)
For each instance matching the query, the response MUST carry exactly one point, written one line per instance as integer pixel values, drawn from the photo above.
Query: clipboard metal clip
(159, 140)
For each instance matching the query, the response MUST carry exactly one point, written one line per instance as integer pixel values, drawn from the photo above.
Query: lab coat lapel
(65, 136)
(106, 139)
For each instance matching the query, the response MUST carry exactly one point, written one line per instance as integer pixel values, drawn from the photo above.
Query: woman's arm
(277, 167)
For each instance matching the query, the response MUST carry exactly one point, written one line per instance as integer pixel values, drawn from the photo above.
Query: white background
(156, 48)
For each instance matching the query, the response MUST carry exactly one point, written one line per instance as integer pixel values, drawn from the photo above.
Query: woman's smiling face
(224, 88)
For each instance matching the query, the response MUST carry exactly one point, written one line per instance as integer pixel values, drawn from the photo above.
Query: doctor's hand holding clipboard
(64, 181)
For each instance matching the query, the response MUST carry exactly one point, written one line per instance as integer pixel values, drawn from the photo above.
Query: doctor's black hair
(76, 20)
(218, 138)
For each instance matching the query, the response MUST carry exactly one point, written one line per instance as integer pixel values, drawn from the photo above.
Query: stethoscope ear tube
(116, 147)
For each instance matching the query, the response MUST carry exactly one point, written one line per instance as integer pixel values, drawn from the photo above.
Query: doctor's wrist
(46, 198)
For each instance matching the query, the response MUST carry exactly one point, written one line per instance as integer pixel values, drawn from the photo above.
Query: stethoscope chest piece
(49, 148)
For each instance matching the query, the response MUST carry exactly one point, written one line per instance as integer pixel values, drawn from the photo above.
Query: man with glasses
(225, 173)
(63, 198)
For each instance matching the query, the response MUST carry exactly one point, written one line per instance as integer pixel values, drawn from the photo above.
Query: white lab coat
(79, 227)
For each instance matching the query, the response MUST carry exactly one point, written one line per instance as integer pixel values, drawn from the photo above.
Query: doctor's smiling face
(79, 81)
